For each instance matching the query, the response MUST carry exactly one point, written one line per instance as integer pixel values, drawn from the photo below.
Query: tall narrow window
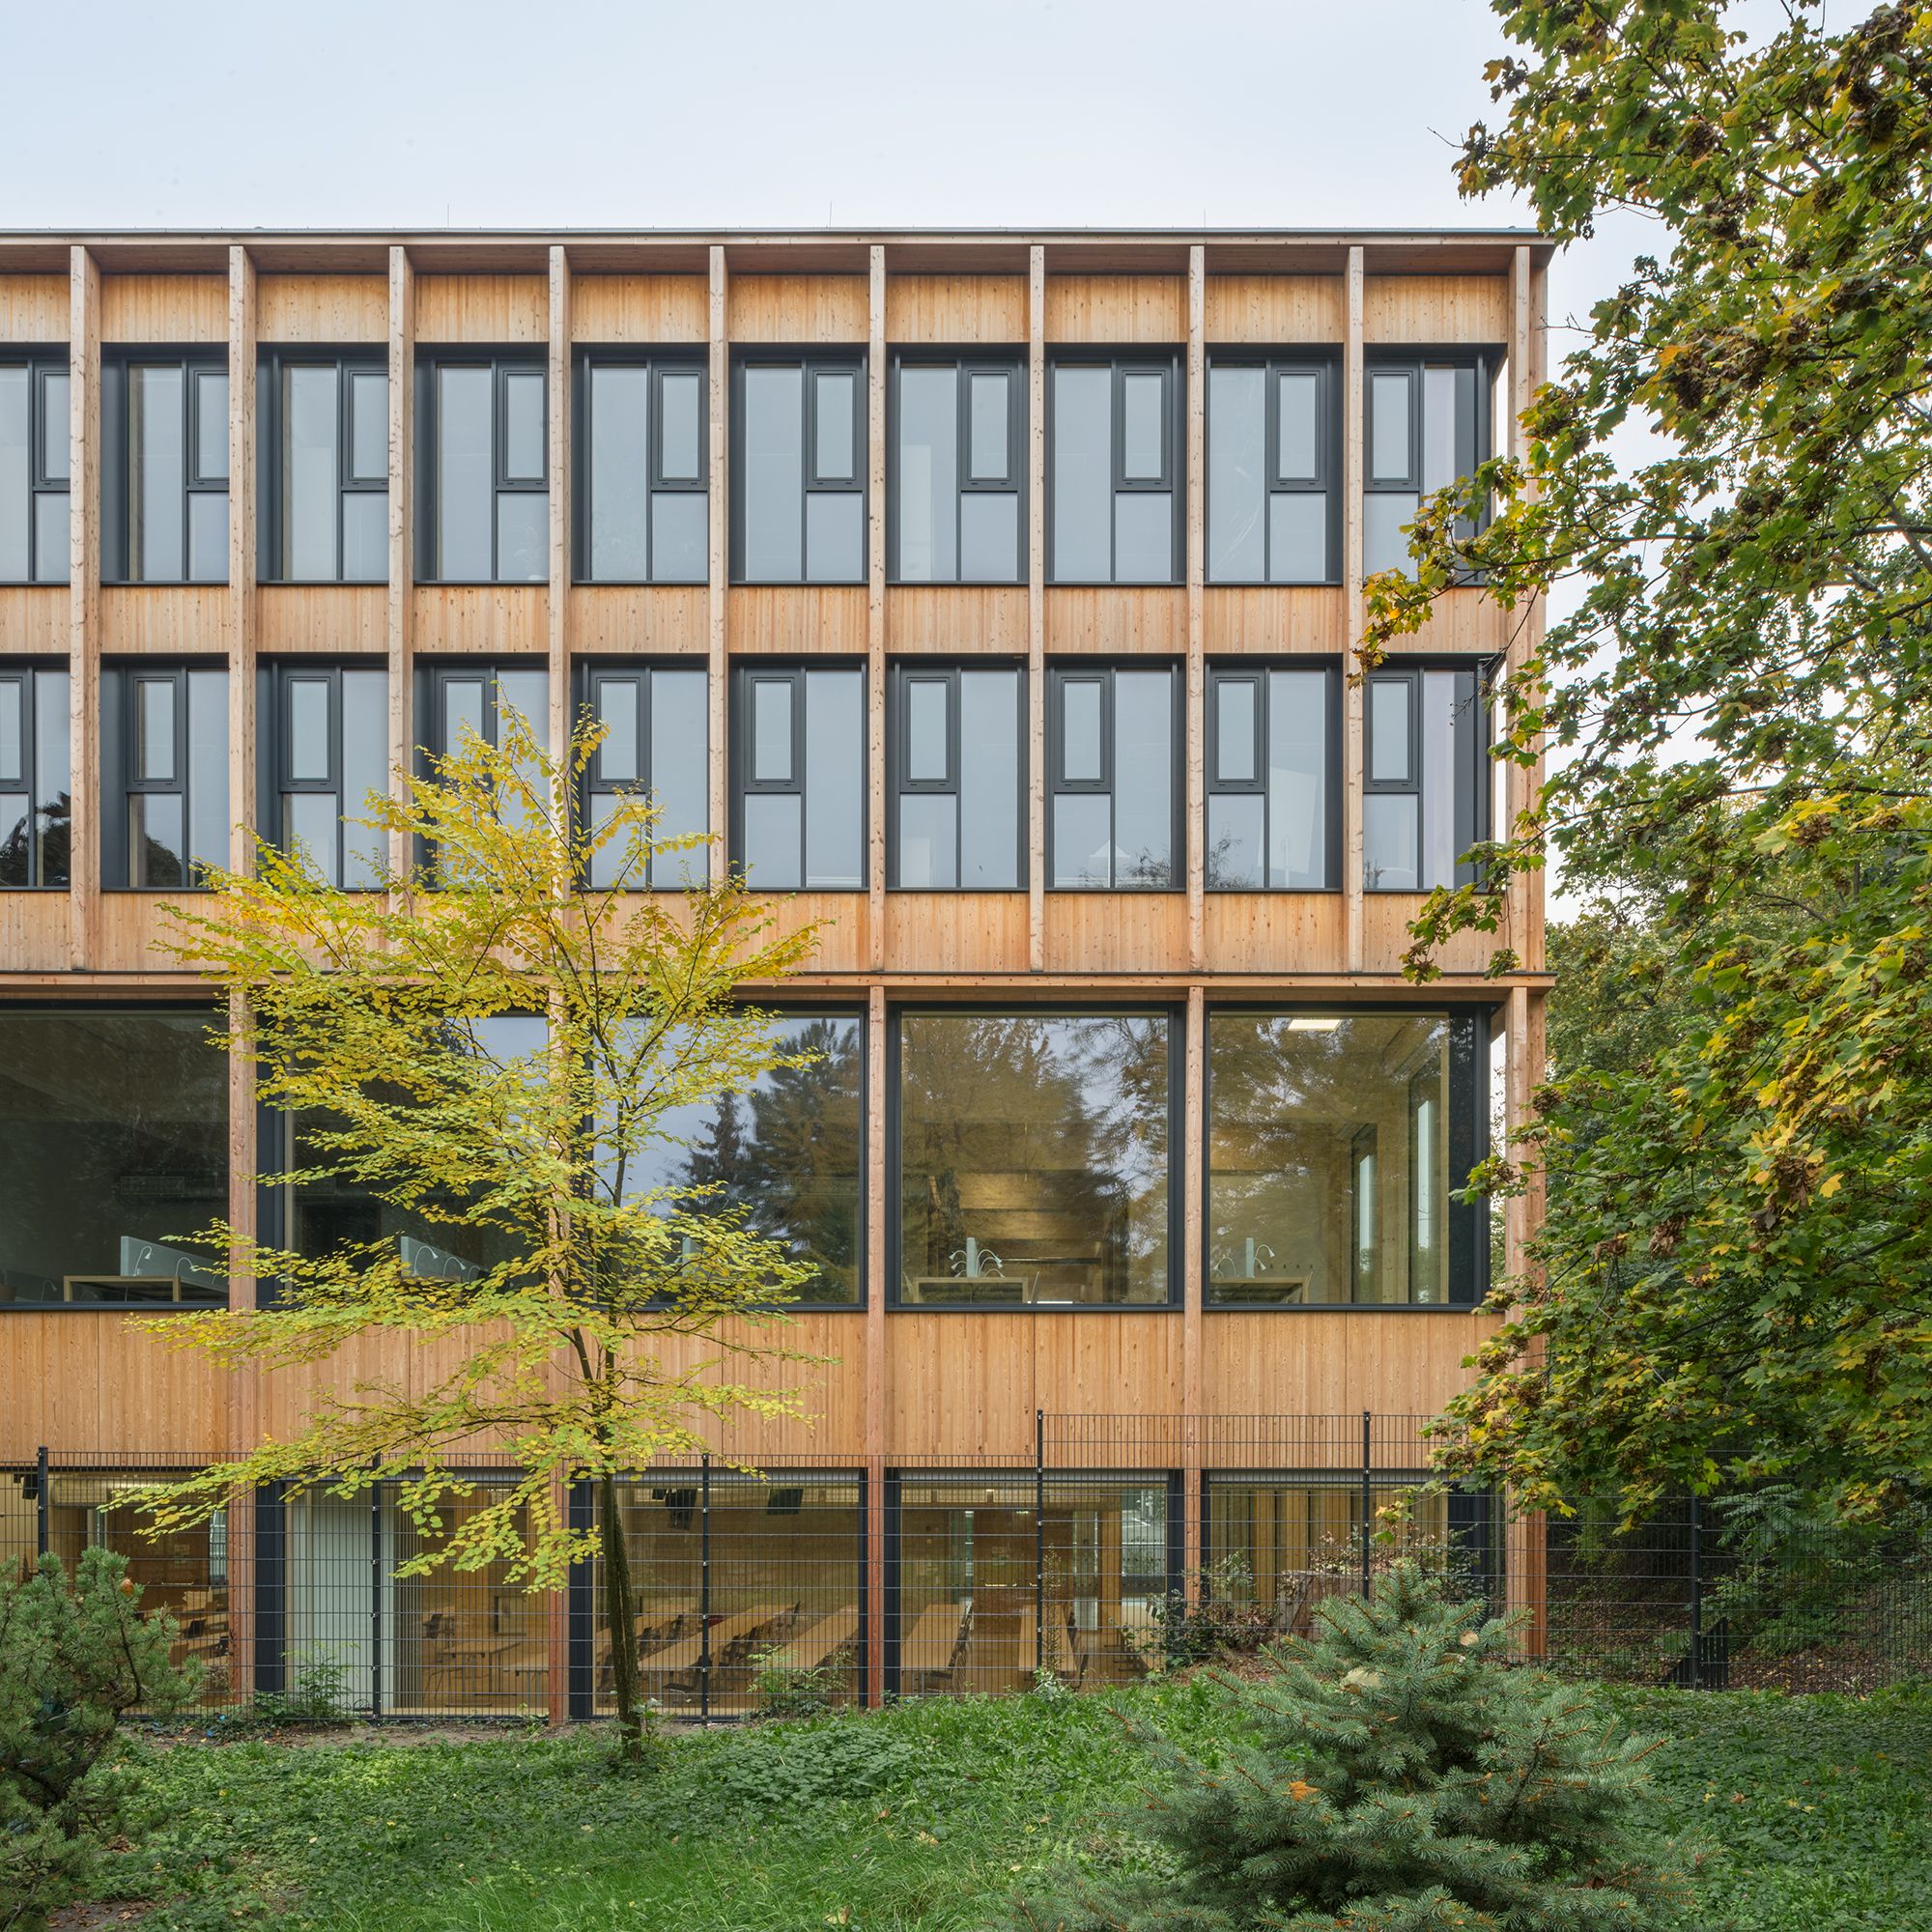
(1114, 744)
(798, 469)
(642, 504)
(799, 790)
(34, 463)
(330, 726)
(1272, 465)
(164, 772)
(958, 491)
(164, 466)
(956, 741)
(35, 806)
(482, 467)
(324, 477)
(1272, 742)
(1428, 426)
(1113, 436)
(655, 719)
(1426, 792)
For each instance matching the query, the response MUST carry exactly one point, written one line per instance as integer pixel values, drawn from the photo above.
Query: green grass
(1807, 1814)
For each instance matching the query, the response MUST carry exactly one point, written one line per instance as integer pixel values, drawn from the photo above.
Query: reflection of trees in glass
(47, 827)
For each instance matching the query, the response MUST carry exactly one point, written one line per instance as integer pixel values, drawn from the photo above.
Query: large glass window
(331, 728)
(1271, 740)
(1113, 753)
(1426, 791)
(657, 721)
(787, 1155)
(1334, 1141)
(1271, 468)
(165, 773)
(798, 469)
(957, 744)
(1032, 1159)
(164, 466)
(34, 463)
(113, 1154)
(958, 442)
(36, 805)
(641, 511)
(325, 475)
(482, 467)
(799, 793)
(1114, 469)
(1428, 426)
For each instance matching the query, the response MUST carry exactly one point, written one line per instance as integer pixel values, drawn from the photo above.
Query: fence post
(1038, 1541)
(704, 1591)
(375, 1600)
(1695, 1678)
(40, 1521)
(1367, 1489)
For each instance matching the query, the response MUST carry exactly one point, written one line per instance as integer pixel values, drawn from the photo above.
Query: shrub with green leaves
(1396, 1773)
(74, 1659)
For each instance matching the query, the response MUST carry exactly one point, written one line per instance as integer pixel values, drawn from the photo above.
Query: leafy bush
(1394, 1773)
(316, 1695)
(786, 1690)
(72, 1662)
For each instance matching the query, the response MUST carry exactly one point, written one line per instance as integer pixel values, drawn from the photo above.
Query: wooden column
(1352, 735)
(83, 608)
(557, 599)
(875, 1346)
(1036, 609)
(716, 666)
(1194, 1177)
(402, 532)
(875, 613)
(1196, 497)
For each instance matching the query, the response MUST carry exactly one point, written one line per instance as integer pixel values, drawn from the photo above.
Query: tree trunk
(620, 1616)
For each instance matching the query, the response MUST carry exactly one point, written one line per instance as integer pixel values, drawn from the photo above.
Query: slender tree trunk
(620, 1615)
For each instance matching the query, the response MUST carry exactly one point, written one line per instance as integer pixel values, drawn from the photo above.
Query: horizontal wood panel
(132, 928)
(34, 308)
(1276, 933)
(1275, 310)
(639, 310)
(324, 619)
(1115, 933)
(799, 308)
(1386, 936)
(346, 309)
(642, 620)
(946, 309)
(1261, 622)
(465, 620)
(955, 932)
(1116, 309)
(802, 621)
(844, 924)
(1311, 1363)
(482, 308)
(86, 1382)
(33, 931)
(1117, 619)
(1441, 309)
(182, 620)
(956, 621)
(1465, 621)
(35, 620)
(163, 308)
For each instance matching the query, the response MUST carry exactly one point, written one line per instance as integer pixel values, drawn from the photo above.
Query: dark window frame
(657, 360)
(1324, 363)
(273, 779)
(1236, 670)
(965, 362)
(120, 727)
(433, 674)
(588, 676)
(811, 362)
(1061, 671)
(901, 676)
(25, 673)
(273, 360)
(40, 364)
(1469, 1145)
(117, 363)
(1485, 358)
(1176, 1016)
(739, 748)
(1121, 361)
(1473, 802)
(502, 361)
